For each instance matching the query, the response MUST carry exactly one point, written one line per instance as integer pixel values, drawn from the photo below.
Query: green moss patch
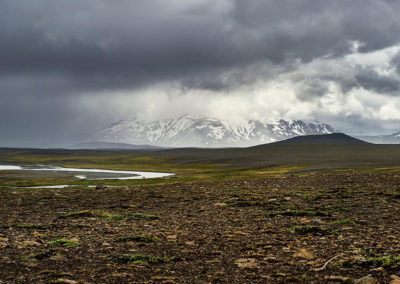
(63, 242)
(384, 261)
(342, 222)
(309, 229)
(145, 259)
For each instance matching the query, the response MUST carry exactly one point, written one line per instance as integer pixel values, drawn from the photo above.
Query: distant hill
(328, 139)
(330, 151)
(110, 145)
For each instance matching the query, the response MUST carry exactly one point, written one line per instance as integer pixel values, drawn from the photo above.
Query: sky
(69, 68)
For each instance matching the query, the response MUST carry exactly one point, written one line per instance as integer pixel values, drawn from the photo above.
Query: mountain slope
(189, 131)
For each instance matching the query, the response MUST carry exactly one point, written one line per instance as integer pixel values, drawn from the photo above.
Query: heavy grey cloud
(128, 42)
(372, 80)
(54, 54)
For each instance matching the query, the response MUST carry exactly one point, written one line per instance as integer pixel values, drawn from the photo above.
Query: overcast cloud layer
(68, 68)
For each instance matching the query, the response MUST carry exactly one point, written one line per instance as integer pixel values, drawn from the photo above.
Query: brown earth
(273, 230)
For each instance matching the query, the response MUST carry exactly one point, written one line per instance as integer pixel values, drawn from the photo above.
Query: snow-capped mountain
(187, 131)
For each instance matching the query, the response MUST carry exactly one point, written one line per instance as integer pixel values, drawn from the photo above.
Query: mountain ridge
(188, 131)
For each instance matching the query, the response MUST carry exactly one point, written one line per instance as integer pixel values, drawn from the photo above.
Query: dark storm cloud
(123, 43)
(310, 87)
(131, 42)
(372, 80)
(69, 49)
(396, 62)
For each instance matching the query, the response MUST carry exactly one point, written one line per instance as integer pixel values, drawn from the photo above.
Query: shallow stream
(89, 174)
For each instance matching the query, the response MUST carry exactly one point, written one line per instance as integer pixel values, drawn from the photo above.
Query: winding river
(83, 173)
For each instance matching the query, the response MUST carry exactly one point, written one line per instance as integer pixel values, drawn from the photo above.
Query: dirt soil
(275, 230)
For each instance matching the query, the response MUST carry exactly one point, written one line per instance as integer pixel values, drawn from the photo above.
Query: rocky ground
(314, 228)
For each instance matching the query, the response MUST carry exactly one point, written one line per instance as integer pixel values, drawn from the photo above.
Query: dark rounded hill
(322, 139)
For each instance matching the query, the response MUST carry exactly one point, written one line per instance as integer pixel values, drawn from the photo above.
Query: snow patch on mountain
(187, 131)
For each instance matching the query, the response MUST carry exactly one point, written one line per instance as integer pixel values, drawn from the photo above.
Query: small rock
(120, 275)
(66, 281)
(304, 254)
(3, 245)
(271, 259)
(190, 243)
(221, 204)
(366, 280)
(394, 277)
(338, 278)
(379, 270)
(57, 258)
(304, 220)
(246, 262)
(31, 264)
(213, 261)
(172, 237)
(359, 258)
(240, 233)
